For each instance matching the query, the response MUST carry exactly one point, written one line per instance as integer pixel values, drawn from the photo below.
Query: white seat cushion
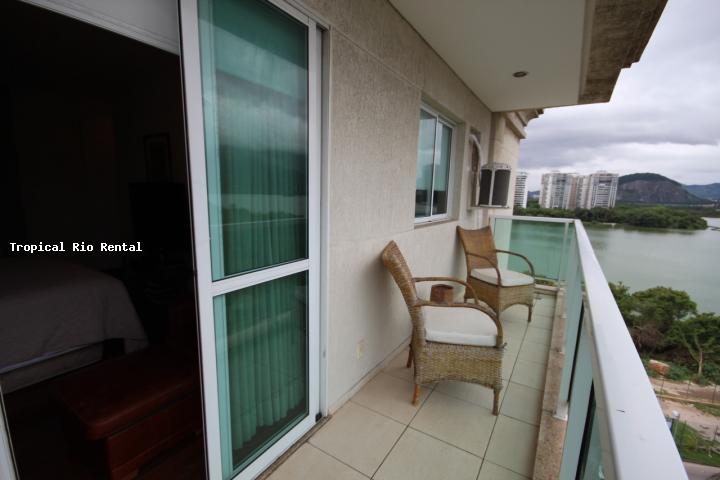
(509, 278)
(459, 326)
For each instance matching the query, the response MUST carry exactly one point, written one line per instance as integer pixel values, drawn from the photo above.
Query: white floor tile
(420, 457)
(490, 471)
(457, 422)
(513, 445)
(358, 437)
(311, 463)
(522, 403)
(390, 396)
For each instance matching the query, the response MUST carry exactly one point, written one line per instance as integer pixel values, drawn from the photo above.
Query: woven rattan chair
(454, 341)
(497, 287)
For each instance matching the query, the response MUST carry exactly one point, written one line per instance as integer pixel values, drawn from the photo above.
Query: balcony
(576, 404)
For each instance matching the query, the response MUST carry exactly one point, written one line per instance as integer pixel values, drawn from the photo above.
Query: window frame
(440, 120)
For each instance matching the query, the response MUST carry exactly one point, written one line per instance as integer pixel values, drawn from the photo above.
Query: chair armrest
(489, 312)
(532, 269)
(448, 279)
(494, 265)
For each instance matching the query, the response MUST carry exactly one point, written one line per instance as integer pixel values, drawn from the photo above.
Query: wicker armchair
(455, 341)
(497, 287)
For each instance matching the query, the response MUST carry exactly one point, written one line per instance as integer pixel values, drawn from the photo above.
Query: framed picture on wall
(158, 165)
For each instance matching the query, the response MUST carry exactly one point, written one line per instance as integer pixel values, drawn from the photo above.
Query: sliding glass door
(251, 70)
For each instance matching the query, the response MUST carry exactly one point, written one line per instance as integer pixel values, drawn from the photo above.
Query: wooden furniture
(450, 341)
(499, 288)
(131, 408)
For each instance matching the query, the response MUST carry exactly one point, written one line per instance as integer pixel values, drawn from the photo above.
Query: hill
(711, 191)
(651, 188)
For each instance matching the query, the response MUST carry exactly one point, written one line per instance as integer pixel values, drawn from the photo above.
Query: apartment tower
(521, 190)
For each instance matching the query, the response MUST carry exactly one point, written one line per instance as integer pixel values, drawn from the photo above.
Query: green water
(644, 258)
(639, 257)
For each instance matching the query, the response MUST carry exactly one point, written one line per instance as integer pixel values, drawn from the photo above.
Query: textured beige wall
(380, 71)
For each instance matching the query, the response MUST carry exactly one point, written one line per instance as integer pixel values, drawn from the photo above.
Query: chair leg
(410, 358)
(416, 394)
(530, 310)
(496, 401)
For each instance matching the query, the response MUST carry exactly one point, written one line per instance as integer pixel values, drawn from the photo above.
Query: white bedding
(49, 307)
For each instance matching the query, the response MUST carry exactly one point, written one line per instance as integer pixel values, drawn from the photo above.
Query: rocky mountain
(652, 188)
(711, 191)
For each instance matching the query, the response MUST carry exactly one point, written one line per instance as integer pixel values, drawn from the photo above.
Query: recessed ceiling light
(520, 74)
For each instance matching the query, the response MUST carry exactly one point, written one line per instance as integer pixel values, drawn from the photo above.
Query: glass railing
(615, 428)
(544, 243)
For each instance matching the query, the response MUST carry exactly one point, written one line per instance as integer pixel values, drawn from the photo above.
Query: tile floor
(451, 433)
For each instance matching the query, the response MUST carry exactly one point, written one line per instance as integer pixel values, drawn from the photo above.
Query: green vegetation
(699, 335)
(693, 446)
(710, 212)
(655, 216)
(709, 409)
(652, 177)
(665, 325)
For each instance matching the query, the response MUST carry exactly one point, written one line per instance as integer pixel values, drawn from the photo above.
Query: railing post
(563, 262)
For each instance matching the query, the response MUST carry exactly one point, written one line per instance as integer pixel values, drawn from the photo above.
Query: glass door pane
(262, 348)
(254, 60)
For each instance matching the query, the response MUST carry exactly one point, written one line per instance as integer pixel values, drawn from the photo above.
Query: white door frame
(7, 464)
(206, 288)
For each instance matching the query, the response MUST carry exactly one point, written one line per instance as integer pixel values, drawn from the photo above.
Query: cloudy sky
(664, 116)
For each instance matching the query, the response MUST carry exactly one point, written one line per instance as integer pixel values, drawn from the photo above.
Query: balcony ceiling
(569, 58)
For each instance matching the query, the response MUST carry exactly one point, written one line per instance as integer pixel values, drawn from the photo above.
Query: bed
(54, 317)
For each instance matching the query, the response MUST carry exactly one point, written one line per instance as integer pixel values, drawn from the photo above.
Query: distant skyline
(663, 117)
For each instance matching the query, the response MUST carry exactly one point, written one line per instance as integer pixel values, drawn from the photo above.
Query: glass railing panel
(572, 308)
(591, 467)
(544, 243)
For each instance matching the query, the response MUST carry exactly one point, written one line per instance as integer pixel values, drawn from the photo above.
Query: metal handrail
(535, 219)
(635, 432)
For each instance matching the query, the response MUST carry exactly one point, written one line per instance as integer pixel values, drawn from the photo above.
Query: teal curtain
(256, 93)
(266, 356)
(254, 61)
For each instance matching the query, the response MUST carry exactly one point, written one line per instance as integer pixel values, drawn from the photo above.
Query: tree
(700, 335)
(642, 216)
(662, 306)
(623, 298)
(649, 314)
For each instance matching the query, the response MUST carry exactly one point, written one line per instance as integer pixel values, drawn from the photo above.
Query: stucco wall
(380, 71)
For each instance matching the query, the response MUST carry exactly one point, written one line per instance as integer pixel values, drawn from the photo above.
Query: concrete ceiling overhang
(573, 50)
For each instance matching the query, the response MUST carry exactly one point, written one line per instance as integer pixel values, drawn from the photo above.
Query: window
(432, 183)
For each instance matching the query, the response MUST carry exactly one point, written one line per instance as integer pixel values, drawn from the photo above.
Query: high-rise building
(602, 189)
(556, 190)
(520, 187)
(570, 190)
(582, 190)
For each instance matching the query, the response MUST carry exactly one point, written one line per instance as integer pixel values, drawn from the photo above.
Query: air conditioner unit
(491, 182)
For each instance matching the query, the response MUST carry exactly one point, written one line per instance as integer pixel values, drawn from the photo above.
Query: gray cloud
(664, 116)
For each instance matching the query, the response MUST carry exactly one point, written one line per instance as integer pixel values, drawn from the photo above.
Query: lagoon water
(643, 258)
